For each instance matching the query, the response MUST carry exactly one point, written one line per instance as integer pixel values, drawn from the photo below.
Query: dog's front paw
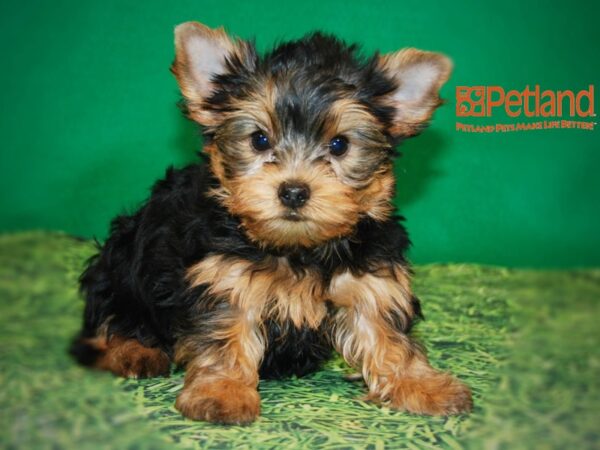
(436, 394)
(219, 401)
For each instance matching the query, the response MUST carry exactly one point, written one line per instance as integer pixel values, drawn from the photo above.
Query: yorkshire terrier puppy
(284, 245)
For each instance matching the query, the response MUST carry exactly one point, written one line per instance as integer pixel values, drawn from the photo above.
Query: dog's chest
(269, 288)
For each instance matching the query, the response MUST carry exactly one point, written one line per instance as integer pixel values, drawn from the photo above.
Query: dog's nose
(294, 195)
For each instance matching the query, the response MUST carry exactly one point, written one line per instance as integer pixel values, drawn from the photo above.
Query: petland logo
(551, 106)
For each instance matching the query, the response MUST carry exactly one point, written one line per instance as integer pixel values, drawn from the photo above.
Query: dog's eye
(338, 146)
(260, 141)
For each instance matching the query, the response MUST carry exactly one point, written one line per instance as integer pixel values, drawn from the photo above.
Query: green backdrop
(88, 117)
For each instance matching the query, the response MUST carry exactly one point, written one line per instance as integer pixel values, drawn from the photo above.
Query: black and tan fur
(215, 272)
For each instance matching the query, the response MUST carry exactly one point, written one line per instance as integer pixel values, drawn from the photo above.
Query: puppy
(284, 244)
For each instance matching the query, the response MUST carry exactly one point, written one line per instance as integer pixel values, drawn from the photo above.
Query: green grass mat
(525, 341)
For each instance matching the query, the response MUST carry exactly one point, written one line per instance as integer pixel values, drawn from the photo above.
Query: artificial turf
(526, 341)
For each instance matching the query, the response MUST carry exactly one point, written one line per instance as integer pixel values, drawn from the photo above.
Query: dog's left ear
(418, 75)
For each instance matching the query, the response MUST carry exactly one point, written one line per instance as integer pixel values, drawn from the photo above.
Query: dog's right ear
(201, 55)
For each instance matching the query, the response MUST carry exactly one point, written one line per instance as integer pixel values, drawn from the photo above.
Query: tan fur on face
(216, 164)
(374, 200)
(350, 118)
(256, 112)
(342, 189)
(331, 211)
(260, 105)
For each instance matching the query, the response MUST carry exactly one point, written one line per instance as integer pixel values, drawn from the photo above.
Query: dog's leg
(222, 370)
(370, 332)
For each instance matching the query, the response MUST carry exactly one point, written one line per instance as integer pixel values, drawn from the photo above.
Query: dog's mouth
(293, 216)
